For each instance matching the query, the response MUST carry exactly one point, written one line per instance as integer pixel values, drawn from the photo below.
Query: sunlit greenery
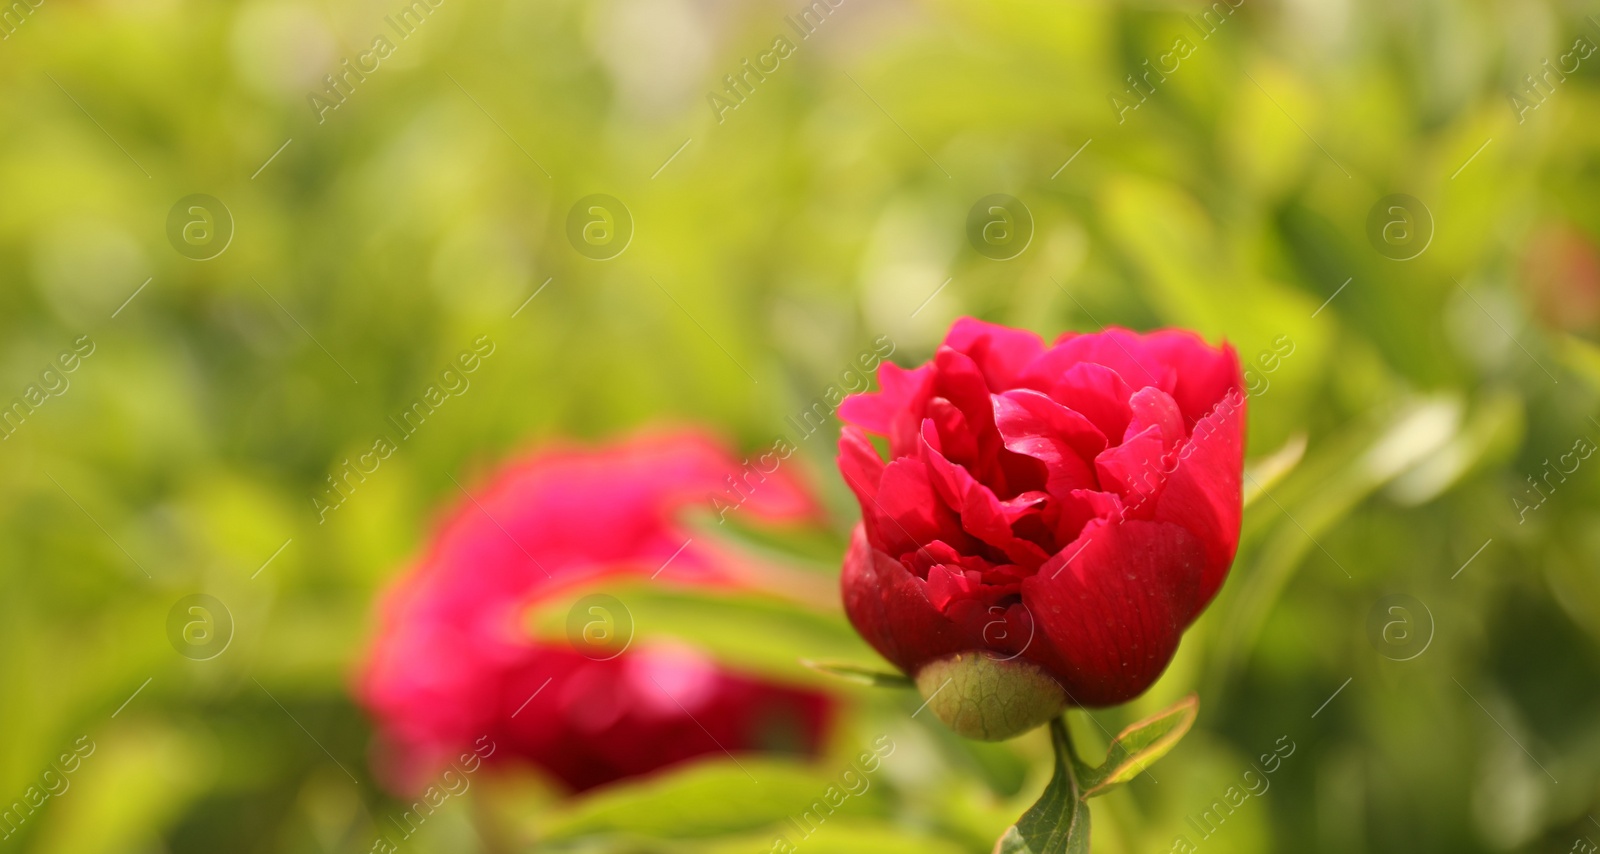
(1405, 417)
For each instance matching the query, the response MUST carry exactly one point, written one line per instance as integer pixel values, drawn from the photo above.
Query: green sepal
(1140, 745)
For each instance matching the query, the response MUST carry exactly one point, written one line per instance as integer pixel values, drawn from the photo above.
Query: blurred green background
(1440, 359)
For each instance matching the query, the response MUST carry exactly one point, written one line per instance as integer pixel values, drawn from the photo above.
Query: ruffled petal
(982, 514)
(1096, 391)
(1135, 469)
(908, 511)
(860, 464)
(895, 410)
(1203, 374)
(1034, 425)
(890, 608)
(1114, 347)
(1000, 352)
(1081, 507)
(1152, 407)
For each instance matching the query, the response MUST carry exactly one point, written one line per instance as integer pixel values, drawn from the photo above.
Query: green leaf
(748, 631)
(711, 797)
(1141, 744)
(860, 674)
(1058, 823)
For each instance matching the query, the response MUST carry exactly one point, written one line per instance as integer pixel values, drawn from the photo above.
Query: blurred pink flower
(1561, 271)
(454, 660)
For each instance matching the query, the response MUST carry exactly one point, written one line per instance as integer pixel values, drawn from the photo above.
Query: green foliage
(1139, 745)
(1059, 822)
(860, 674)
(1403, 446)
(708, 801)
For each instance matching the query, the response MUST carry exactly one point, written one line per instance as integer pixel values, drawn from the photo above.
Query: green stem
(1082, 771)
(1062, 737)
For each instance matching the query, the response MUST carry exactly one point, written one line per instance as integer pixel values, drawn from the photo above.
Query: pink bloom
(454, 663)
(1076, 505)
(1561, 270)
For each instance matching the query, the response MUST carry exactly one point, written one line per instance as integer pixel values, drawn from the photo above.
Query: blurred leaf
(860, 674)
(751, 631)
(711, 798)
(1323, 490)
(1493, 428)
(1264, 474)
(1582, 358)
(842, 836)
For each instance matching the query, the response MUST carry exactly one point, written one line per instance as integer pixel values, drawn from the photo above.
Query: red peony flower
(1050, 519)
(454, 668)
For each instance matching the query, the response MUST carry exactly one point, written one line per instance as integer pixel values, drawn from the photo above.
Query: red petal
(1113, 605)
(1000, 352)
(1135, 469)
(945, 584)
(1096, 391)
(592, 722)
(982, 514)
(1116, 348)
(960, 382)
(1204, 374)
(1154, 407)
(956, 440)
(860, 464)
(1034, 425)
(908, 511)
(1202, 493)
(1082, 507)
(890, 608)
(895, 410)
